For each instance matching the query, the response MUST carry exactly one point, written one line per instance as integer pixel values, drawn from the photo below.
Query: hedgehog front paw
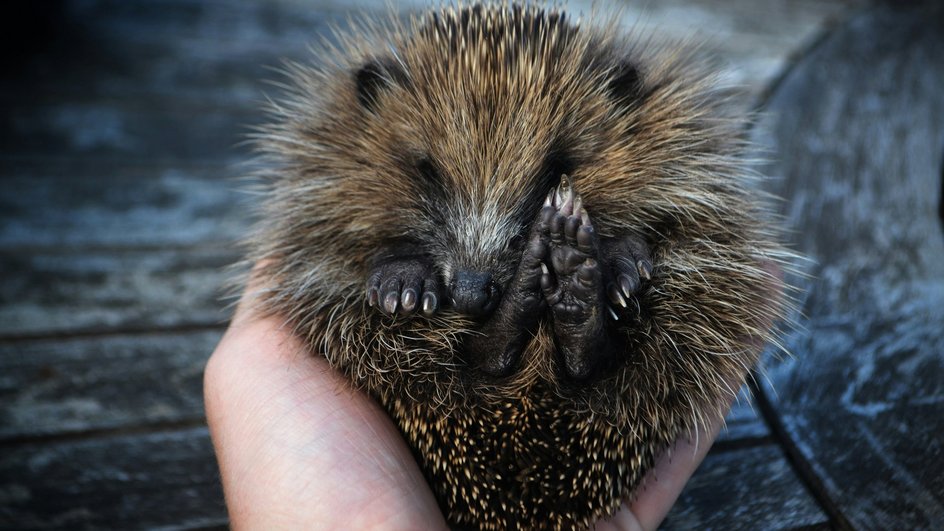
(630, 265)
(573, 284)
(403, 285)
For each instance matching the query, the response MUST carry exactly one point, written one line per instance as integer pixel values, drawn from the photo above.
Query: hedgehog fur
(445, 138)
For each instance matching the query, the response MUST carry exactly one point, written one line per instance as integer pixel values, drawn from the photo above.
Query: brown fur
(487, 100)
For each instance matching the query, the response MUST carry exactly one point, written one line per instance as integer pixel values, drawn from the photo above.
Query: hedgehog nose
(474, 293)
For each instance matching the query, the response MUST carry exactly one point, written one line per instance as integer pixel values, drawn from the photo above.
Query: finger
(256, 383)
(672, 470)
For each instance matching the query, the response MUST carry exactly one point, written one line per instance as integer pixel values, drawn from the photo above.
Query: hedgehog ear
(625, 86)
(374, 76)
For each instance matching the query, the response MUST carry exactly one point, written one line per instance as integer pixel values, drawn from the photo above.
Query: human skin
(299, 447)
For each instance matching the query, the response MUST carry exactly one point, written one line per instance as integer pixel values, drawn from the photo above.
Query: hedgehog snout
(474, 293)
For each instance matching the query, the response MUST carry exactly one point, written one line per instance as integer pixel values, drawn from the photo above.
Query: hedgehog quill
(533, 241)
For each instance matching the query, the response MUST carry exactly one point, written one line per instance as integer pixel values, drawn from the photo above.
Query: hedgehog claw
(429, 303)
(627, 285)
(373, 296)
(615, 296)
(645, 269)
(565, 196)
(390, 302)
(408, 300)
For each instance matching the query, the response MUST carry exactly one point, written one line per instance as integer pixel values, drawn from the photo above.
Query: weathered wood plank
(145, 481)
(161, 131)
(56, 293)
(65, 203)
(857, 130)
(883, 467)
(751, 488)
(55, 387)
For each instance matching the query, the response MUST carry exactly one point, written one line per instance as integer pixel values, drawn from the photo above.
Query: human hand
(298, 447)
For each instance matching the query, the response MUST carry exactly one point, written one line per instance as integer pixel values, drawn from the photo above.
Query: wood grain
(59, 203)
(743, 423)
(60, 387)
(752, 488)
(99, 291)
(137, 481)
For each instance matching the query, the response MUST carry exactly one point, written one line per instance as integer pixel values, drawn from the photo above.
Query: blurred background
(121, 140)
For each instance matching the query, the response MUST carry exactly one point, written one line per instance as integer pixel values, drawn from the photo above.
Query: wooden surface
(119, 147)
(863, 401)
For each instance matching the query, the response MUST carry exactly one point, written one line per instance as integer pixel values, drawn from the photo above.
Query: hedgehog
(534, 240)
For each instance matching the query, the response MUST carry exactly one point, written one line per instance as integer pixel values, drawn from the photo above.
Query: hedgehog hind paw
(573, 284)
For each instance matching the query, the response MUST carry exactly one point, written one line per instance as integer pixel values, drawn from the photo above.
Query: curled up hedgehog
(533, 241)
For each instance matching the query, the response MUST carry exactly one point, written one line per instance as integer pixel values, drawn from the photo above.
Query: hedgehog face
(474, 234)
(473, 226)
(474, 143)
